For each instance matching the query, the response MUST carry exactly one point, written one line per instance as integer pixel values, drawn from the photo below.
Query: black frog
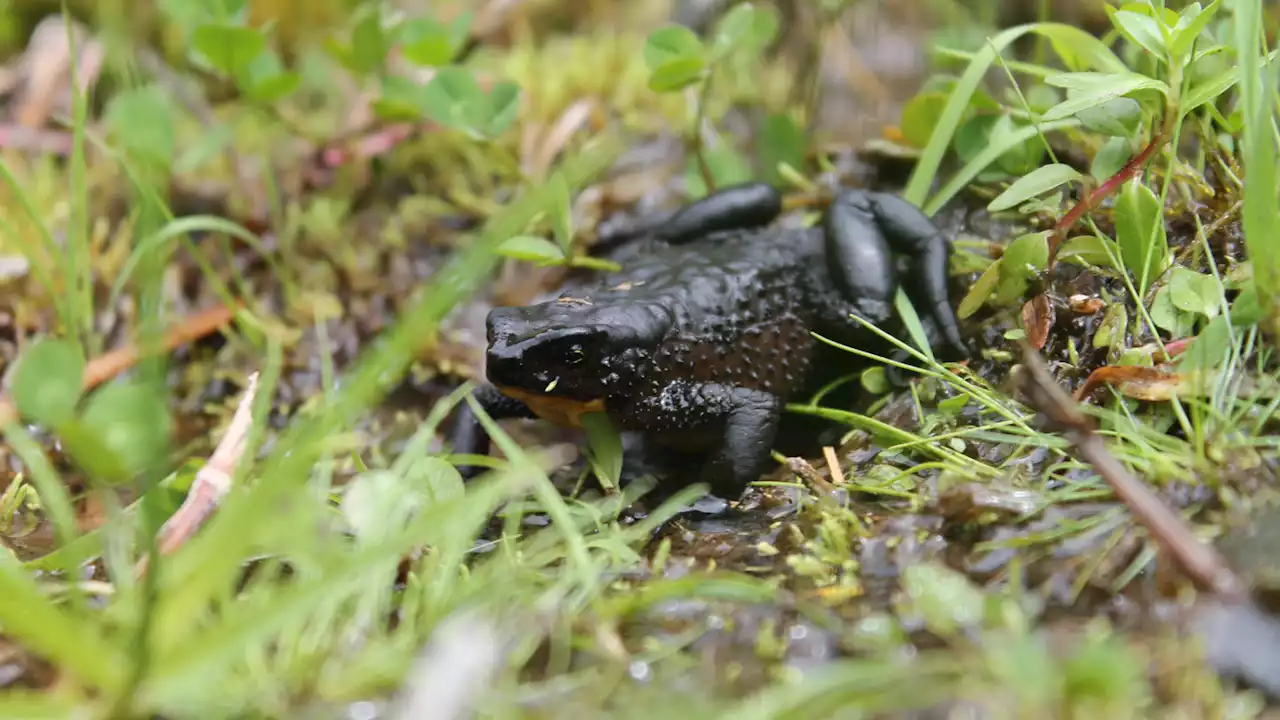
(705, 335)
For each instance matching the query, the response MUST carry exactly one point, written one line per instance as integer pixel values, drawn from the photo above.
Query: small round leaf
(131, 423)
(48, 380)
(674, 42)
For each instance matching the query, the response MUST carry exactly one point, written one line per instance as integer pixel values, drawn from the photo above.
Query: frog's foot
(468, 436)
(739, 207)
(865, 231)
(745, 420)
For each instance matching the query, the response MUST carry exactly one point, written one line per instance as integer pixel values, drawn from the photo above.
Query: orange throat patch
(561, 411)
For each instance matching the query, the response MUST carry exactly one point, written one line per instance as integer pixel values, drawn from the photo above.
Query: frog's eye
(576, 354)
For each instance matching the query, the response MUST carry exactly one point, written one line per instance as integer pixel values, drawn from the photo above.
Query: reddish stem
(1130, 170)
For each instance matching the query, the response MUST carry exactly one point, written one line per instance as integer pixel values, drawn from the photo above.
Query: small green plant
(222, 43)
(544, 252)
(121, 431)
(678, 60)
(1129, 107)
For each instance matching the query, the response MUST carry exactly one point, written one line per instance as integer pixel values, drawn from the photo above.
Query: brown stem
(1205, 567)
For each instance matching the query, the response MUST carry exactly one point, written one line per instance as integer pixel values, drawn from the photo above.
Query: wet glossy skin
(704, 335)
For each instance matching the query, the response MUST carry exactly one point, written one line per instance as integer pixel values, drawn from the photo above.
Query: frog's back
(742, 307)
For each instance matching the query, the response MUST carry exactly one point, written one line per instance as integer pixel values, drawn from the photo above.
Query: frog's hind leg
(738, 207)
(864, 232)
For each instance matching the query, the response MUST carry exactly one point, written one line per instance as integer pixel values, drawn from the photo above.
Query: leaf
(920, 116)
(369, 45)
(427, 43)
(1208, 90)
(1191, 23)
(988, 154)
(1080, 50)
(48, 380)
(561, 212)
(732, 28)
(606, 449)
(981, 290)
(1089, 249)
(227, 48)
(1033, 184)
(973, 137)
(1140, 233)
(1194, 292)
(1148, 384)
(124, 431)
(1111, 158)
(677, 74)
(1168, 317)
(401, 99)
(142, 121)
(1210, 348)
(440, 480)
(781, 142)
(1112, 329)
(380, 503)
(1118, 117)
(1121, 84)
(744, 28)
(1021, 158)
(1025, 257)
(594, 263)
(944, 598)
(502, 104)
(266, 79)
(1143, 30)
(531, 248)
(671, 43)
(451, 99)
(1037, 320)
(1246, 309)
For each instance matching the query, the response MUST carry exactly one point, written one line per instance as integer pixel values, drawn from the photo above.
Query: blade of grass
(209, 563)
(79, 269)
(1260, 213)
(213, 650)
(72, 643)
(926, 168)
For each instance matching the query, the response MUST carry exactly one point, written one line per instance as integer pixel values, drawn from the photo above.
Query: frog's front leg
(864, 230)
(737, 207)
(742, 421)
(468, 436)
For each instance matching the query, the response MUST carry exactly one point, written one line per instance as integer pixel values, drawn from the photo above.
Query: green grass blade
(1260, 212)
(1090, 51)
(74, 644)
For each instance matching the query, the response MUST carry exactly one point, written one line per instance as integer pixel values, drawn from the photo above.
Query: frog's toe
(865, 231)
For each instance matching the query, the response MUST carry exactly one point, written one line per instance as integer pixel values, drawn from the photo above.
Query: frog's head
(565, 348)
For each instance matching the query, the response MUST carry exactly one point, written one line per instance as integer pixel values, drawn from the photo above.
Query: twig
(1207, 569)
(801, 467)
(833, 465)
(212, 482)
